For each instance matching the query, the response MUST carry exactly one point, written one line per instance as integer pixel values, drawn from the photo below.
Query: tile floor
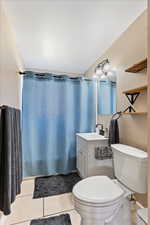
(26, 208)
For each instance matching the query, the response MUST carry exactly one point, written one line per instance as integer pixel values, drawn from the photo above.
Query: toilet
(100, 200)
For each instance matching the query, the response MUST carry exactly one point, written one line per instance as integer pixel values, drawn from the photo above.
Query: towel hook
(117, 114)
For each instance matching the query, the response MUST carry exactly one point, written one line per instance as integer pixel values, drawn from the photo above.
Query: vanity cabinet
(87, 164)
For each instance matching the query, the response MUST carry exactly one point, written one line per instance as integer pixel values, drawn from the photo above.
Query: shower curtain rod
(21, 73)
(73, 77)
(48, 73)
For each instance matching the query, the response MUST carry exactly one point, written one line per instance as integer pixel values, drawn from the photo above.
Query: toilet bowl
(99, 200)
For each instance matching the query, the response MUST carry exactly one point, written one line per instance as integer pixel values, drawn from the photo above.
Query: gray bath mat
(57, 220)
(54, 185)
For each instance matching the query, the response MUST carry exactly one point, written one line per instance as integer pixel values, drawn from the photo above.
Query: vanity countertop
(91, 136)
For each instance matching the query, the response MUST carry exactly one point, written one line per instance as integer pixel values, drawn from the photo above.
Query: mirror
(107, 102)
(106, 88)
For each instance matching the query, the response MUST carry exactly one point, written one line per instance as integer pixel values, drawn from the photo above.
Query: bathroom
(77, 49)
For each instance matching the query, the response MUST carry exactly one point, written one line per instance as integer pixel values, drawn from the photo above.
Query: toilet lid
(97, 189)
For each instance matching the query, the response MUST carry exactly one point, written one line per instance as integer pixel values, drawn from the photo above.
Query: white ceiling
(69, 35)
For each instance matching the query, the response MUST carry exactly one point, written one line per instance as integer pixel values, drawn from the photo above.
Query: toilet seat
(97, 190)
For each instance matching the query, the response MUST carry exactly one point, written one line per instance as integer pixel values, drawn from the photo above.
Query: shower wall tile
(24, 209)
(57, 204)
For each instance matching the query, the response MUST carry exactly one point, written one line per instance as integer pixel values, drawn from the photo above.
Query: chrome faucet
(101, 130)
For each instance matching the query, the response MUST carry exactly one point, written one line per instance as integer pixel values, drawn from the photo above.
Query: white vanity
(87, 164)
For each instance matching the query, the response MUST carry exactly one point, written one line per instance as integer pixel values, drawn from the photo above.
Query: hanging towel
(113, 132)
(10, 157)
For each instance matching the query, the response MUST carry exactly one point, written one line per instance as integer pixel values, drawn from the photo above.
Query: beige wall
(10, 64)
(130, 48)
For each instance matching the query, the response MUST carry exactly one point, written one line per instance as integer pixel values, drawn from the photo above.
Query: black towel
(113, 132)
(10, 157)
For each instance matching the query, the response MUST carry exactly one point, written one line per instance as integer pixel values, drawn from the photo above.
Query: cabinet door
(93, 162)
(96, 166)
(82, 156)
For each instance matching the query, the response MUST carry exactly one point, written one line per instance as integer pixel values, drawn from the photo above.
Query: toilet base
(85, 222)
(116, 221)
(115, 216)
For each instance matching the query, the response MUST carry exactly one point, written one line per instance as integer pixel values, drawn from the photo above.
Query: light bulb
(99, 71)
(110, 73)
(106, 67)
(111, 76)
(103, 77)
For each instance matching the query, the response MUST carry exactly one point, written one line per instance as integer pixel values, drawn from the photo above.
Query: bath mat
(56, 220)
(54, 185)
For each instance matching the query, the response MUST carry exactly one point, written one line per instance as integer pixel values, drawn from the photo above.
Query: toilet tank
(130, 167)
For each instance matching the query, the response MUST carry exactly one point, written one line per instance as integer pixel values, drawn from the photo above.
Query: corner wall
(129, 49)
(10, 64)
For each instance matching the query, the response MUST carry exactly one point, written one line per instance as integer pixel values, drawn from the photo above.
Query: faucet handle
(100, 124)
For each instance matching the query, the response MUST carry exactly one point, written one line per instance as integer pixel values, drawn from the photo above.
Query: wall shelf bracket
(132, 97)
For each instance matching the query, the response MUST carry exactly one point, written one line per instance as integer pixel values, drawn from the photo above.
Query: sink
(91, 136)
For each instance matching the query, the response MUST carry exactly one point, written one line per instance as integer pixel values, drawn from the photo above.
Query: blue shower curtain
(55, 108)
(106, 97)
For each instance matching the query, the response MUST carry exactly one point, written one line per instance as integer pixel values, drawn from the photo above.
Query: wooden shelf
(137, 67)
(138, 89)
(135, 113)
